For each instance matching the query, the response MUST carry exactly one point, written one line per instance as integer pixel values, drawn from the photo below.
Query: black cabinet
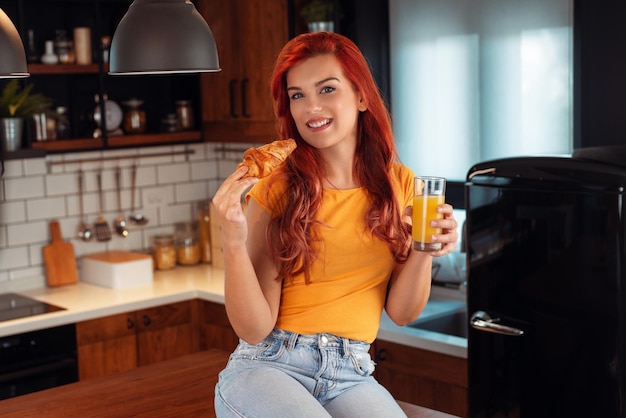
(77, 86)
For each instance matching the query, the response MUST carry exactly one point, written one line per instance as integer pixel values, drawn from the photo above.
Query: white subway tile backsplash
(27, 233)
(12, 212)
(157, 196)
(35, 254)
(191, 192)
(35, 191)
(35, 166)
(176, 213)
(24, 188)
(40, 209)
(203, 170)
(14, 257)
(13, 168)
(61, 184)
(173, 173)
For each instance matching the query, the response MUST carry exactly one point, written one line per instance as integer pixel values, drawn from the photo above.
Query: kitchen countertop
(84, 301)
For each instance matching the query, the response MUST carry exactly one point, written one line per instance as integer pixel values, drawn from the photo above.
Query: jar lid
(164, 239)
(133, 102)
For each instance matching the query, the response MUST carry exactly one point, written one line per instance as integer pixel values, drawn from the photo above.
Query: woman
(324, 246)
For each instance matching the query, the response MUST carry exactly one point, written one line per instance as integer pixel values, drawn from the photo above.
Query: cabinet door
(166, 332)
(106, 345)
(236, 103)
(434, 380)
(215, 328)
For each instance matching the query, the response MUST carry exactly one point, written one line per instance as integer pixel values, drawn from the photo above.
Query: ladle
(135, 217)
(84, 230)
(119, 224)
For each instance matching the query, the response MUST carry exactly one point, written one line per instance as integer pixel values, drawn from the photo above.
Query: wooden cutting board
(59, 259)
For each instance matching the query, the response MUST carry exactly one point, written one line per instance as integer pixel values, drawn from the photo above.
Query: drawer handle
(146, 320)
(231, 91)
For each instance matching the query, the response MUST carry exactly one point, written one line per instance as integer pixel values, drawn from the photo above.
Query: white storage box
(116, 269)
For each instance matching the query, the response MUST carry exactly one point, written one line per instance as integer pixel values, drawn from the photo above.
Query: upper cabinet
(236, 102)
(79, 88)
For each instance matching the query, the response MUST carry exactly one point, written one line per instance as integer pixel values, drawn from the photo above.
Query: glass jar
(164, 252)
(63, 123)
(63, 47)
(184, 114)
(134, 117)
(186, 242)
(169, 123)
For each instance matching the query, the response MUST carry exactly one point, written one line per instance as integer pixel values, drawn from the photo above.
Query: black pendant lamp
(162, 37)
(12, 55)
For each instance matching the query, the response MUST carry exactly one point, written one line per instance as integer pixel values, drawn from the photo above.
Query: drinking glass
(429, 193)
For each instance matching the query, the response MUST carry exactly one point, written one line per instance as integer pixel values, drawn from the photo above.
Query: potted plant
(318, 14)
(17, 104)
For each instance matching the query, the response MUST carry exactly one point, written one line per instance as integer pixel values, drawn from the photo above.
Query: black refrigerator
(546, 296)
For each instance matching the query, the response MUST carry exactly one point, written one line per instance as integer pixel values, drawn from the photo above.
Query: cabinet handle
(381, 355)
(130, 324)
(244, 95)
(231, 91)
(146, 320)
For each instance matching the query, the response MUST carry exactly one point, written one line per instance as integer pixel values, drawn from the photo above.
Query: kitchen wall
(35, 191)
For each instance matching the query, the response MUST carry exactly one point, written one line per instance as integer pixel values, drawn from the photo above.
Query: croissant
(263, 160)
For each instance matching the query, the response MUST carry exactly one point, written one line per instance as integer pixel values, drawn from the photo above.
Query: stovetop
(14, 306)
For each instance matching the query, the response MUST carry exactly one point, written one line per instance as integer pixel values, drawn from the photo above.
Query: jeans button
(324, 340)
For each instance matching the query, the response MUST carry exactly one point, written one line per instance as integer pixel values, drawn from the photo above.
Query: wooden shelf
(69, 144)
(47, 69)
(154, 139)
(118, 141)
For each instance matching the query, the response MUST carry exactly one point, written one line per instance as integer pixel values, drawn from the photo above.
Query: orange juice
(425, 210)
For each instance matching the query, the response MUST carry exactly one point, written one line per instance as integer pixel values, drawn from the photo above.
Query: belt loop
(346, 347)
(293, 338)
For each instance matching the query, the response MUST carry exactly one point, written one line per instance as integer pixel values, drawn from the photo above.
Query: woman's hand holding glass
(449, 229)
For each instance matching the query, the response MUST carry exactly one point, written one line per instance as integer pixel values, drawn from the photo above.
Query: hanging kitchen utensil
(119, 224)
(84, 230)
(59, 259)
(103, 233)
(136, 218)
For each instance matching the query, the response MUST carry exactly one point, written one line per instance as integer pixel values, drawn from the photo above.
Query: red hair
(295, 227)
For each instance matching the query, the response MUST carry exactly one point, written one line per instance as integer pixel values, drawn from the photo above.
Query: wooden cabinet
(434, 380)
(236, 102)
(75, 86)
(215, 329)
(125, 341)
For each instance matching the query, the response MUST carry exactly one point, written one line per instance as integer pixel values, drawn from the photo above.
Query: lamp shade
(161, 37)
(12, 55)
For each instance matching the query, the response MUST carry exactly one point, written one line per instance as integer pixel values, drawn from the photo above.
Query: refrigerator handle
(483, 322)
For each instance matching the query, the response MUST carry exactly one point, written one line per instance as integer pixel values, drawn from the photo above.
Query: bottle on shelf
(49, 57)
(32, 56)
(63, 130)
(63, 47)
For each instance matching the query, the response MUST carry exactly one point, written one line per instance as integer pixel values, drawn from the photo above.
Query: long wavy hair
(293, 232)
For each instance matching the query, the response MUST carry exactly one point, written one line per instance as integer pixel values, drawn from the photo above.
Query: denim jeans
(293, 375)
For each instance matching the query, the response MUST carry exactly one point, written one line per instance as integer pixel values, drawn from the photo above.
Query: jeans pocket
(268, 349)
(362, 362)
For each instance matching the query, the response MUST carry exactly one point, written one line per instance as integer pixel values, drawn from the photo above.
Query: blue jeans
(293, 375)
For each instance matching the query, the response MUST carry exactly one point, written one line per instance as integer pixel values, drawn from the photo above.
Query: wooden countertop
(183, 387)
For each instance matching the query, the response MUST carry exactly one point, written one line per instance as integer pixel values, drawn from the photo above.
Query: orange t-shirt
(349, 277)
